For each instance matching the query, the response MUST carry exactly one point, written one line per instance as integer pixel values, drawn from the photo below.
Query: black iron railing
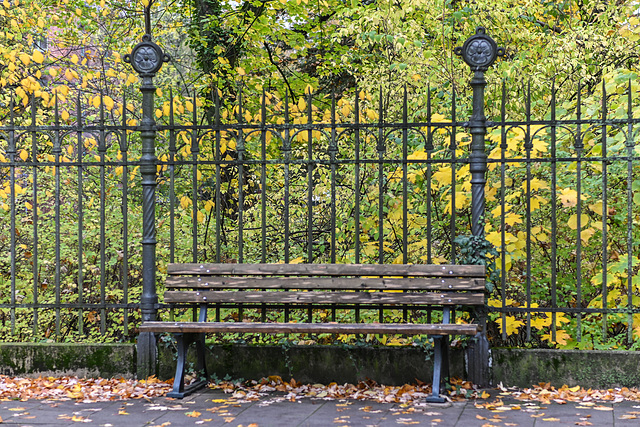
(258, 178)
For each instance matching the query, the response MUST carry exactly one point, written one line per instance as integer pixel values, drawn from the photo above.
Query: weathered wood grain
(319, 297)
(404, 270)
(334, 283)
(339, 328)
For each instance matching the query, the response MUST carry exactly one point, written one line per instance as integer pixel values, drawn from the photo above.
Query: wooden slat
(338, 328)
(415, 270)
(427, 283)
(311, 297)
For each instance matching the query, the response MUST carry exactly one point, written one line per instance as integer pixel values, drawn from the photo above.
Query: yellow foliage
(512, 324)
(561, 337)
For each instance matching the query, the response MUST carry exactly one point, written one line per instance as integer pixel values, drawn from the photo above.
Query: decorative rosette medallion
(146, 57)
(479, 51)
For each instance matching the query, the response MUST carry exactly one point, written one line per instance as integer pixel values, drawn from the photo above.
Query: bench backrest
(350, 284)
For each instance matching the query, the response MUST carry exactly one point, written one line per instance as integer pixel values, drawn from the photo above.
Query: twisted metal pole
(479, 52)
(147, 58)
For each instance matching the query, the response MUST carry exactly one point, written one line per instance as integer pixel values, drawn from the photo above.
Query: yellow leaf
(551, 419)
(437, 118)
(596, 207)
(37, 57)
(185, 202)
(541, 322)
(574, 389)
(512, 218)
(193, 414)
(569, 197)
(302, 104)
(561, 337)
(108, 102)
(26, 59)
(241, 71)
(573, 221)
(442, 176)
(24, 155)
(512, 325)
(64, 116)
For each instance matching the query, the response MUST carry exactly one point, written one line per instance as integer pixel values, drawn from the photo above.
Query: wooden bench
(320, 286)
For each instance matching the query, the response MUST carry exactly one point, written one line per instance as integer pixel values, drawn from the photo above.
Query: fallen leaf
(551, 419)
(193, 414)
(628, 417)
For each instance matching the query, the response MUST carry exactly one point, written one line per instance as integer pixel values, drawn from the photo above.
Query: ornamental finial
(479, 51)
(146, 57)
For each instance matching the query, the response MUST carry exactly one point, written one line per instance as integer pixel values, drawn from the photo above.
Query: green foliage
(476, 250)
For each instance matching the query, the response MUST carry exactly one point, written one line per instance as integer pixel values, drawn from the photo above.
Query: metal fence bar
(35, 217)
(80, 193)
(11, 152)
(57, 150)
(554, 220)
(503, 194)
(263, 180)
(102, 148)
(124, 151)
(579, 145)
(604, 164)
(381, 147)
(629, 145)
(528, 146)
(452, 149)
(356, 178)
(195, 150)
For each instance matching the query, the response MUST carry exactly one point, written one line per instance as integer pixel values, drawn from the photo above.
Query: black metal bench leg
(438, 370)
(444, 377)
(200, 351)
(178, 379)
(183, 341)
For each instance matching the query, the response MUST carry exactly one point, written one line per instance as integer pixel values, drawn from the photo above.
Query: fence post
(146, 58)
(479, 52)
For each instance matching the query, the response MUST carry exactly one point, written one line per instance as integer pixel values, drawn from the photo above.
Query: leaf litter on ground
(364, 390)
(457, 390)
(80, 389)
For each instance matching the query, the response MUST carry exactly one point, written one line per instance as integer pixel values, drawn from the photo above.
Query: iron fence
(323, 179)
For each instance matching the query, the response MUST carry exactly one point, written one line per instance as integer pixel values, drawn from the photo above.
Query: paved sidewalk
(214, 408)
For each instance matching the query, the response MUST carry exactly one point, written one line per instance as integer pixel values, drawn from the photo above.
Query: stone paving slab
(213, 408)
